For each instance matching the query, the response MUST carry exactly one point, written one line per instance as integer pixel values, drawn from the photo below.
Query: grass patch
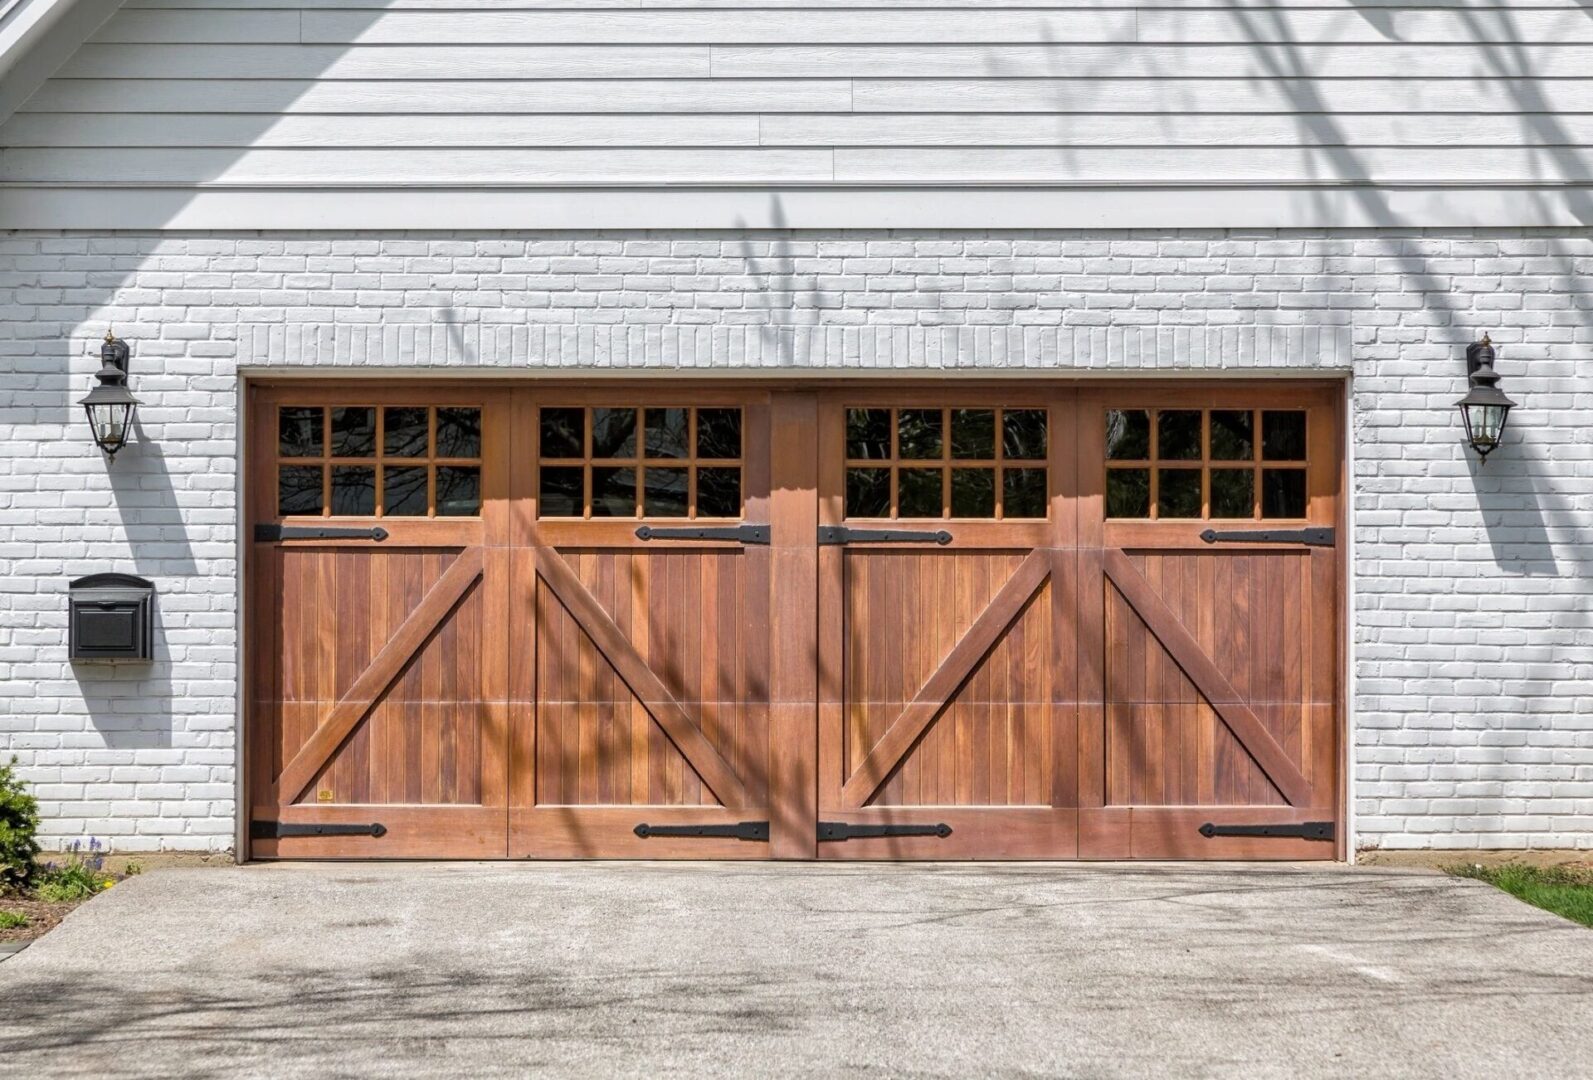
(12, 920)
(1565, 890)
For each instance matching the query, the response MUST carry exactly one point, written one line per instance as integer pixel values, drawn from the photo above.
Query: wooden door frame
(799, 474)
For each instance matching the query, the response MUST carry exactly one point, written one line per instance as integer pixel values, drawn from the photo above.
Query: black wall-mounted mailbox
(111, 617)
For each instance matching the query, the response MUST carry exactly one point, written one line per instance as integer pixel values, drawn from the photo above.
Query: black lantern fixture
(1485, 408)
(110, 405)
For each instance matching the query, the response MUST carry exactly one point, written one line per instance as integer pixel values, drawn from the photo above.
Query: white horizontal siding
(254, 61)
(834, 130)
(269, 98)
(495, 166)
(1251, 61)
(947, 93)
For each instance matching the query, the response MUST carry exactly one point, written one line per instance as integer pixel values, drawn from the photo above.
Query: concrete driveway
(692, 970)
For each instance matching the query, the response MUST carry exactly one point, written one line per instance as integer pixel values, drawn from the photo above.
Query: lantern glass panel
(110, 424)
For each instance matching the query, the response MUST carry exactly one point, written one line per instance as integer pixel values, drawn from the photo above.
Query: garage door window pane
(868, 434)
(667, 436)
(613, 433)
(613, 492)
(404, 432)
(458, 490)
(1233, 493)
(1023, 493)
(299, 432)
(1283, 493)
(1128, 435)
(1178, 493)
(560, 492)
(353, 433)
(973, 435)
(1023, 434)
(918, 433)
(868, 493)
(919, 493)
(563, 433)
(403, 492)
(718, 492)
(666, 493)
(1232, 435)
(1178, 435)
(1283, 436)
(459, 433)
(1128, 493)
(973, 491)
(719, 433)
(353, 490)
(299, 490)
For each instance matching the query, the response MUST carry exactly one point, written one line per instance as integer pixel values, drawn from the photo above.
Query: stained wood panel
(376, 666)
(419, 742)
(990, 745)
(645, 690)
(1217, 673)
(941, 698)
(683, 612)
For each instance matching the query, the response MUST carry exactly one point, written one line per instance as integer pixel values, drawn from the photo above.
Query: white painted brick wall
(1473, 623)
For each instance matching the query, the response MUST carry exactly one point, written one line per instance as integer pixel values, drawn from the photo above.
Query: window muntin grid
(653, 461)
(385, 461)
(1181, 464)
(947, 462)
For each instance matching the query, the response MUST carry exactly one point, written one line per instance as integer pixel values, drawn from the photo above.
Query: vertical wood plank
(793, 521)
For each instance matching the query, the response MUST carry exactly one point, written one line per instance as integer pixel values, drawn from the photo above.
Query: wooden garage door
(1008, 621)
(1208, 623)
(640, 626)
(946, 614)
(377, 709)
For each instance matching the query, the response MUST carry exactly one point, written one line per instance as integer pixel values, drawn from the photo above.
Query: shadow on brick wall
(1511, 498)
(152, 517)
(118, 696)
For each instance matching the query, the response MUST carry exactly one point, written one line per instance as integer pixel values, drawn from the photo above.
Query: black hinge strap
(741, 830)
(278, 830)
(747, 534)
(845, 830)
(842, 534)
(1305, 830)
(1321, 536)
(317, 532)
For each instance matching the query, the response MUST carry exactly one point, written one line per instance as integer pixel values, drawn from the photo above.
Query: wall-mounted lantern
(110, 405)
(1485, 408)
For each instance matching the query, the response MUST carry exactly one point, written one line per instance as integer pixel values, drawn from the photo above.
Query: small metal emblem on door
(323, 796)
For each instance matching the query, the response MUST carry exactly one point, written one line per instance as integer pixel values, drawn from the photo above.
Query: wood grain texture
(618, 651)
(362, 693)
(932, 696)
(1207, 678)
(793, 623)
